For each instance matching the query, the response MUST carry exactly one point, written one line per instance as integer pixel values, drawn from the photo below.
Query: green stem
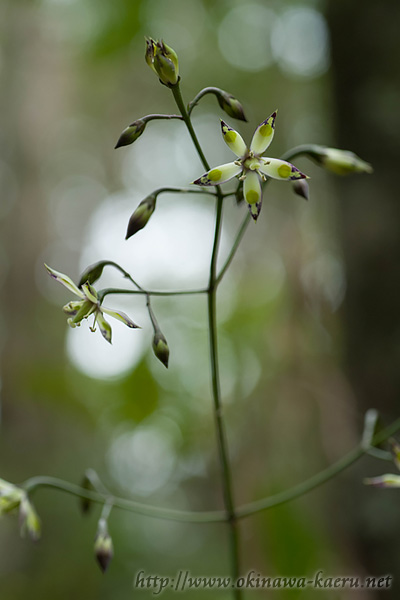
(103, 293)
(130, 505)
(215, 378)
(302, 150)
(235, 246)
(180, 104)
(241, 512)
(178, 190)
(158, 116)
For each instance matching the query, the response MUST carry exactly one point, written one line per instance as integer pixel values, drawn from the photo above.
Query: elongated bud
(29, 520)
(131, 133)
(162, 59)
(230, 105)
(160, 348)
(92, 273)
(301, 188)
(141, 216)
(103, 546)
(341, 162)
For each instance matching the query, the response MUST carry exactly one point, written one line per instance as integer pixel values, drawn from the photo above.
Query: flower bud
(141, 216)
(29, 520)
(163, 60)
(341, 162)
(301, 188)
(230, 105)
(131, 133)
(160, 348)
(92, 273)
(103, 546)
(10, 497)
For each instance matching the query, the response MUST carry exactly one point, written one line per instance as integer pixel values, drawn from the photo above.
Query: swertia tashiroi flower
(253, 167)
(87, 305)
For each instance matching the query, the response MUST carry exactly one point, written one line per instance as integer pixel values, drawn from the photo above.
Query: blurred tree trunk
(366, 92)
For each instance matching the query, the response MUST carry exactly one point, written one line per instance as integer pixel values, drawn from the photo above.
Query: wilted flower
(254, 167)
(163, 60)
(388, 480)
(87, 305)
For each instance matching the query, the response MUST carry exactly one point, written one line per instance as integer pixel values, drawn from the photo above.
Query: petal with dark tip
(104, 326)
(233, 140)
(219, 175)
(263, 135)
(65, 281)
(280, 169)
(255, 209)
(120, 316)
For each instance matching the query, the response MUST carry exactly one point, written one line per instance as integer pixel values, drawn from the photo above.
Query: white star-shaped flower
(253, 167)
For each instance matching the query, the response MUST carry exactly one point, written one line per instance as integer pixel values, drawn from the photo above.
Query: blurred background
(308, 325)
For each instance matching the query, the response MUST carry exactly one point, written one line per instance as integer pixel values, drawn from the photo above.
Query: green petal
(233, 140)
(90, 292)
(263, 135)
(83, 312)
(219, 175)
(65, 280)
(104, 326)
(280, 169)
(120, 316)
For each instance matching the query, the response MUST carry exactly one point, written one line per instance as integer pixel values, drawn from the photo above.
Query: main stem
(215, 378)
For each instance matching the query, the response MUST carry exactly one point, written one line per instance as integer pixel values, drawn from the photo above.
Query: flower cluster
(252, 167)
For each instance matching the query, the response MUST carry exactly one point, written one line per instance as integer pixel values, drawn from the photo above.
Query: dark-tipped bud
(301, 188)
(131, 133)
(230, 105)
(103, 546)
(163, 60)
(92, 273)
(141, 216)
(160, 348)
